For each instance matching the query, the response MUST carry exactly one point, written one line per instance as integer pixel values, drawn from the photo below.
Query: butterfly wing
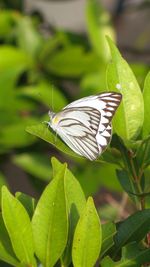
(90, 146)
(105, 103)
(78, 128)
(85, 124)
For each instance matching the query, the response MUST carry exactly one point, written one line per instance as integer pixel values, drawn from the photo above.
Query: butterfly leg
(55, 140)
(47, 123)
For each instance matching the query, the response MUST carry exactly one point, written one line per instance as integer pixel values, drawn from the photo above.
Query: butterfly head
(51, 115)
(53, 119)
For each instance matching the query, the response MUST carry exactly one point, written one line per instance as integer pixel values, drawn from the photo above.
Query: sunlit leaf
(46, 134)
(140, 70)
(129, 118)
(18, 227)
(11, 57)
(76, 203)
(50, 225)
(6, 250)
(87, 237)
(146, 96)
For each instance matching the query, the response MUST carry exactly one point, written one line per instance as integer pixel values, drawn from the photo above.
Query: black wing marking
(104, 138)
(78, 128)
(112, 101)
(86, 119)
(85, 147)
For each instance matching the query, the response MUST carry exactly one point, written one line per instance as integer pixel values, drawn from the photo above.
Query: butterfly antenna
(52, 97)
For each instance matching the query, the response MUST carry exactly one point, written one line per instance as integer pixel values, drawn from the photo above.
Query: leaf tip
(53, 160)
(4, 189)
(90, 201)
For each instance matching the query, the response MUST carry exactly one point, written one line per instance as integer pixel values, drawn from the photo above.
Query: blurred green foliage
(35, 70)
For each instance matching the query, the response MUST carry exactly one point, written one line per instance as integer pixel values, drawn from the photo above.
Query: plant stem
(137, 181)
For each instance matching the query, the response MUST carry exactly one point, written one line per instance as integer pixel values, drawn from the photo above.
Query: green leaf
(47, 135)
(134, 228)
(74, 193)
(118, 143)
(98, 22)
(140, 70)
(127, 184)
(8, 79)
(146, 96)
(94, 82)
(132, 256)
(108, 232)
(28, 38)
(107, 261)
(50, 225)
(14, 135)
(6, 23)
(27, 201)
(87, 237)
(35, 164)
(75, 202)
(113, 156)
(18, 226)
(72, 62)
(52, 43)
(45, 93)
(143, 153)
(147, 186)
(129, 118)
(6, 250)
(3, 181)
(14, 58)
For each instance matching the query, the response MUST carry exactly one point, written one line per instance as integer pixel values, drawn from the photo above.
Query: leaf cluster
(63, 228)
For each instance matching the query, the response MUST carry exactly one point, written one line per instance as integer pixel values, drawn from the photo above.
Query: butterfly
(85, 124)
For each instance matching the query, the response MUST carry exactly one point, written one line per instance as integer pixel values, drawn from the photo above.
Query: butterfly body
(85, 124)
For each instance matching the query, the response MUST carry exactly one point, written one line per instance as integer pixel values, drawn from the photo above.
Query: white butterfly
(85, 124)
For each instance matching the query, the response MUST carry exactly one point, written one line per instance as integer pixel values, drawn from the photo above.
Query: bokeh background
(51, 53)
